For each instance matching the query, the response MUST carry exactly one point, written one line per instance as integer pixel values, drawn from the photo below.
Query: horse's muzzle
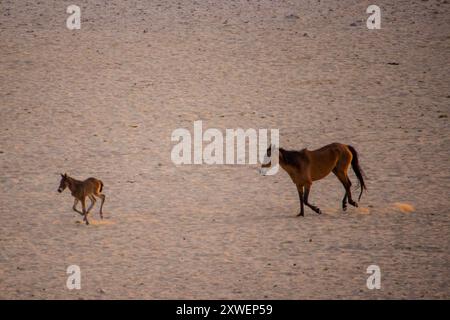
(59, 190)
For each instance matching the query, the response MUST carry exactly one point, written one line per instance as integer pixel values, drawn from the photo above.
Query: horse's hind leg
(101, 196)
(343, 178)
(349, 194)
(313, 207)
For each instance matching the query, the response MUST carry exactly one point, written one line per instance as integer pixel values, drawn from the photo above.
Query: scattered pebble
(292, 16)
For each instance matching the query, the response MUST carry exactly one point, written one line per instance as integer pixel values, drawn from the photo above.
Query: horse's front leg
(300, 196)
(313, 207)
(83, 204)
(75, 207)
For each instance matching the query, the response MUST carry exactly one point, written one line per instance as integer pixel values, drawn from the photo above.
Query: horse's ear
(65, 175)
(62, 175)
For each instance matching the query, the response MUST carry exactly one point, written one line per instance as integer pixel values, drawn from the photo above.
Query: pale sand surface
(104, 100)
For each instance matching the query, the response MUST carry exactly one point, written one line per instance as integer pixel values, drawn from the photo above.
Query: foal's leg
(75, 206)
(83, 204)
(300, 196)
(313, 207)
(101, 196)
(92, 198)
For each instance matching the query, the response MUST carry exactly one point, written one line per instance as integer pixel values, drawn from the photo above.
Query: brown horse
(80, 190)
(306, 166)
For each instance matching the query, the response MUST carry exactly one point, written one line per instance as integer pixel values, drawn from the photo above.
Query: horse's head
(266, 166)
(63, 183)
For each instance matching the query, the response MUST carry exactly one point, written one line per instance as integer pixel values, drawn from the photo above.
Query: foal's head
(64, 183)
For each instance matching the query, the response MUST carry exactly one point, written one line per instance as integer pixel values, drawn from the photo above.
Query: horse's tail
(358, 171)
(101, 186)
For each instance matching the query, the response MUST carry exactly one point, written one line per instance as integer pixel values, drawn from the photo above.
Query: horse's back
(93, 183)
(325, 159)
(335, 146)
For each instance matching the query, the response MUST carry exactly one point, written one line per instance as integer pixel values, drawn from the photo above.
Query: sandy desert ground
(103, 101)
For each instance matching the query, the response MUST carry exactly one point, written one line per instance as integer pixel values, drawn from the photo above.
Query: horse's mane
(291, 157)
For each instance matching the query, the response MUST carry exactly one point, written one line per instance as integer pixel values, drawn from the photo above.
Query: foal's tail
(358, 171)
(101, 186)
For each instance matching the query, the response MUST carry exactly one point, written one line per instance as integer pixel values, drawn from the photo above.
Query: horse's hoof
(300, 215)
(355, 204)
(344, 208)
(316, 210)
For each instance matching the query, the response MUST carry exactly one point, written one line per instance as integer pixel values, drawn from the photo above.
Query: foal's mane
(72, 180)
